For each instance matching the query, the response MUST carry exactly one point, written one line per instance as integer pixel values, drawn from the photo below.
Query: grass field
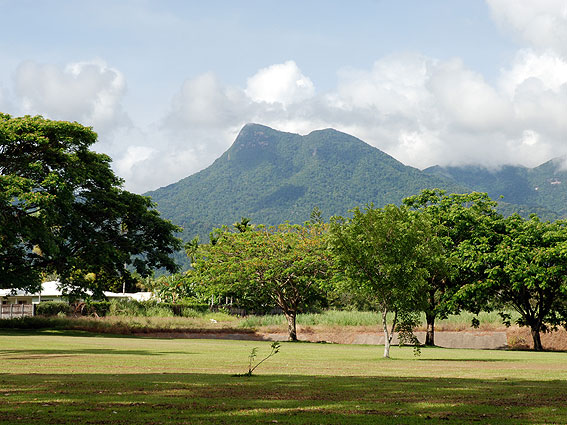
(72, 377)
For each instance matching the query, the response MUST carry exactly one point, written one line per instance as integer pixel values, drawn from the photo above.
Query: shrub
(52, 308)
(98, 308)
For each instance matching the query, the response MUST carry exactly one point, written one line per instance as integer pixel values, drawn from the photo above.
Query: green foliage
(381, 254)
(153, 308)
(177, 288)
(273, 177)
(275, 349)
(284, 266)
(62, 210)
(97, 308)
(541, 190)
(52, 308)
(453, 219)
(523, 267)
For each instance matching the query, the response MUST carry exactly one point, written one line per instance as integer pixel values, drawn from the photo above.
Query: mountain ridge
(271, 177)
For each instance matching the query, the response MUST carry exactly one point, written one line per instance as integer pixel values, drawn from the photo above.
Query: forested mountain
(272, 177)
(542, 189)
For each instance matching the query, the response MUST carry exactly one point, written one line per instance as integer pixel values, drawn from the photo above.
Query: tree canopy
(63, 211)
(522, 267)
(380, 252)
(453, 219)
(286, 264)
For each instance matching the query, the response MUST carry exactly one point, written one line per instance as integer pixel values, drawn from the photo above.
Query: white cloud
(421, 110)
(548, 68)
(281, 83)
(542, 23)
(88, 92)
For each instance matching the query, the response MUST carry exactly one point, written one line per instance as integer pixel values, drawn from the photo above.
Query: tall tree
(380, 252)
(453, 219)
(524, 269)
(62, 210)
(286, 263)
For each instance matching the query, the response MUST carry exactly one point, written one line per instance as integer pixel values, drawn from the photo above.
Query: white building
(50, 291)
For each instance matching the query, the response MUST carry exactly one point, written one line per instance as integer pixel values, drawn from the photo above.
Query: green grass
(74, 377)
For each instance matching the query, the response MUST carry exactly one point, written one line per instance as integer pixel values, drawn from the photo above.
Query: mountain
(271, 177)
(541, 190)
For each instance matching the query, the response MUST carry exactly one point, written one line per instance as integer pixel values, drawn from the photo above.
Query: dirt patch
(521, 338)
(494, 338)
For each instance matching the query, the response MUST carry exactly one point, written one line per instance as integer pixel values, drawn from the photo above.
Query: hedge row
(122, 308)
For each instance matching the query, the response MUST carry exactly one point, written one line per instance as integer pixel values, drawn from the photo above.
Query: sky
(167, 85)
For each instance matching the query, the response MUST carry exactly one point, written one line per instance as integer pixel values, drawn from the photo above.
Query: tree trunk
(291, 326)
(430, 334)
(386, 338)
(388, 334)
(536, 338)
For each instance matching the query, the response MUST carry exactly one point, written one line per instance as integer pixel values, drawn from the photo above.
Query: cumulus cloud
(421, 110)
(88, 92)
(281, 83)
(541, 23)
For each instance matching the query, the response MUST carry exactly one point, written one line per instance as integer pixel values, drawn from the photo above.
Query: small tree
(286, 264)
(380, 253)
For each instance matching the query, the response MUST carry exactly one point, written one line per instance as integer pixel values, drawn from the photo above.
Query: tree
(380, 253)
(524, 268)
(453, 219)
(286, 263)
(62, 210)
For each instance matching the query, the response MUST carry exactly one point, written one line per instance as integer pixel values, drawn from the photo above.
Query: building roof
(53, 289)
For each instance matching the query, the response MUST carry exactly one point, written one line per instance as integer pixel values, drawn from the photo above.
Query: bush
(98, 308)
(52, 308)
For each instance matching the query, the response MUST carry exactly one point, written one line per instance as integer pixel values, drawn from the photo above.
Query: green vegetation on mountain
(541, 190)
(273, 177)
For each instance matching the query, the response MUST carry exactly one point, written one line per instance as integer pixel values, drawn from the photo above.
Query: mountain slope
(272, 177)
(541, 190)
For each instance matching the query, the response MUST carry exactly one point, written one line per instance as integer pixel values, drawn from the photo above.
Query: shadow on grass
(473, 360)
(61, 332)
(39, 353)
(215, 399)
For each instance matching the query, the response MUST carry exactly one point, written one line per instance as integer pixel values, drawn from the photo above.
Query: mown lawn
(65, 377)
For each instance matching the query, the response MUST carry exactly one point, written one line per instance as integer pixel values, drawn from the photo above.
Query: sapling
(275, 349)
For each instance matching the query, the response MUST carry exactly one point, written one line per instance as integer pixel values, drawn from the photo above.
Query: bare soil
(488, 338)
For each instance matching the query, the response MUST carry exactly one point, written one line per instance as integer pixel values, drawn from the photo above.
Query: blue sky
(168, 84)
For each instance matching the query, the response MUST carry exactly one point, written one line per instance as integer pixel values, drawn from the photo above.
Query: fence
(9, 311)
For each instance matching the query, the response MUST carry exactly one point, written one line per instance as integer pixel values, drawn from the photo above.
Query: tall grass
(334, 318)
(129, 318)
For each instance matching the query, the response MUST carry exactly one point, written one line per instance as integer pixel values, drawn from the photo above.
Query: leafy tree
(524, 268)
(286, 264)
(453, 219)
(380, 252)
(62, 210)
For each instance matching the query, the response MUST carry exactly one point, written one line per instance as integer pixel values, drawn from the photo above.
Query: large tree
(63, 211)
(453, 219)
(523, 267)
(286, 264)
(380, 252)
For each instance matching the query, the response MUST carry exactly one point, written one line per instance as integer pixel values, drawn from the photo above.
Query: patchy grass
(74, 377)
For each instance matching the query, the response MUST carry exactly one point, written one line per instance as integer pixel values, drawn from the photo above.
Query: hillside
(272, 177)
(541, 190)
